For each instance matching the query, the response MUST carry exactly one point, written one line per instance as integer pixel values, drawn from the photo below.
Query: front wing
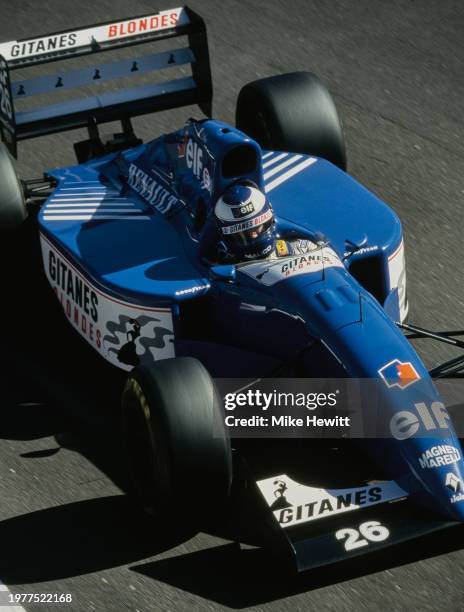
(329, 526)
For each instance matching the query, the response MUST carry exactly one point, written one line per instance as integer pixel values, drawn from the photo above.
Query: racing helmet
(245, 221)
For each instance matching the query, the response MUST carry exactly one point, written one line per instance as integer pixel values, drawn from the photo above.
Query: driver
(245, 228)
(245, 223)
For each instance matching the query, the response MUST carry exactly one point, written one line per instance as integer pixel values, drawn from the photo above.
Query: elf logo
(194, 158)
(399, 374)
(406, 423)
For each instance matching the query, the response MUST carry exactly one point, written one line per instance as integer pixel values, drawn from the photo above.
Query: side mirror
(224, 273)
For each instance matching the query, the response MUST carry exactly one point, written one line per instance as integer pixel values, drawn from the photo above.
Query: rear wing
(103, 107)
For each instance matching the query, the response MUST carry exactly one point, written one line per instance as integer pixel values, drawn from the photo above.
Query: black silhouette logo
(127, 353)
(279, 493)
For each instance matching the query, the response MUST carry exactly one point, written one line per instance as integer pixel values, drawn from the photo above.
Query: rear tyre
(179, 454)
(292, 112)
(12, 204)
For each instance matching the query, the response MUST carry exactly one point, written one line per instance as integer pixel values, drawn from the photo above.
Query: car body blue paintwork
(140, 244)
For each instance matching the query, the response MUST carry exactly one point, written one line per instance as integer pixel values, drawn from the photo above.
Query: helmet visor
(249, 236)
(249, 229)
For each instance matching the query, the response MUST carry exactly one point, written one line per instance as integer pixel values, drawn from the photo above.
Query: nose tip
(451, 493)
(442, 490)
(455, 505)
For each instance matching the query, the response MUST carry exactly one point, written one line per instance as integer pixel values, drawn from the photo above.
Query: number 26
(371, 531)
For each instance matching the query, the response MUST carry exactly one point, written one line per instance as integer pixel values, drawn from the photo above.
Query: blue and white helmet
(246, 222)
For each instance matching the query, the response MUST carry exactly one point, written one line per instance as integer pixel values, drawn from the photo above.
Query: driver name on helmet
(245, 222)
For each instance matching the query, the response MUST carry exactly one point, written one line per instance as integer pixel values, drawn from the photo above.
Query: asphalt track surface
(396, 72)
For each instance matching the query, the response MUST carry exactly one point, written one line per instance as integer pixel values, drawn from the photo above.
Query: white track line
(280, 167)
(284, 177)
(5, 592)
(266, 155)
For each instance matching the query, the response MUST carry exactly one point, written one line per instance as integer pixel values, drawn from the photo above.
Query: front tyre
(179, 453)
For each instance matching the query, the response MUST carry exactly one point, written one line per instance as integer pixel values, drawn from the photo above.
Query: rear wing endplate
(122, 104)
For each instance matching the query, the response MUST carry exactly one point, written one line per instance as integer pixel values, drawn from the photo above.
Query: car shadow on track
(242, 578)
(78, 538)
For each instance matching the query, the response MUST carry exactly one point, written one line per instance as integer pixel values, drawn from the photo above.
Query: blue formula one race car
(230, 252)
